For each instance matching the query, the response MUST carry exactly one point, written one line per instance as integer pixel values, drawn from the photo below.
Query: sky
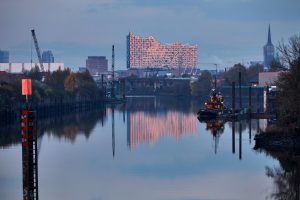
(226, 31)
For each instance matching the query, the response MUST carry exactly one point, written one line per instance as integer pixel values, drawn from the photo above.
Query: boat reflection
(216, 128)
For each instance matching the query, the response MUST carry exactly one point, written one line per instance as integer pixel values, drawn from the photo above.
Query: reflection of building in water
(263, 123)
(146, 128)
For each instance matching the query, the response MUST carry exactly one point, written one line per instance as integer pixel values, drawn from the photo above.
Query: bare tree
(290, 52)
(289, 83)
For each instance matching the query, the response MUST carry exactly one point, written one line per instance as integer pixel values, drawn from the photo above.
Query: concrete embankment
(284, 142)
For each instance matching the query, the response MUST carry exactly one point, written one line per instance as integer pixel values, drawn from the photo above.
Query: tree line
(60, 83)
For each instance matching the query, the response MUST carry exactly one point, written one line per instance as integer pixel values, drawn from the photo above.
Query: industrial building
(4, 56)
(268, 78)
(97, 65)
(21, 67)
(149, 53)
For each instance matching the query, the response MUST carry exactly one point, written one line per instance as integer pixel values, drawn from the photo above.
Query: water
(152, 148)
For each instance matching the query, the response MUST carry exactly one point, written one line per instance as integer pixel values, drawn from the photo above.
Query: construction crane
(37, 50)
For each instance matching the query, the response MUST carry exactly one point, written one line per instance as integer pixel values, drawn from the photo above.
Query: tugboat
(214, 108)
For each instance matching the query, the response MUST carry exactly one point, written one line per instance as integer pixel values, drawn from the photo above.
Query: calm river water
(150, 148)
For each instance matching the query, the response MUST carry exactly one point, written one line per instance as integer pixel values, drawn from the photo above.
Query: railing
(49, 107)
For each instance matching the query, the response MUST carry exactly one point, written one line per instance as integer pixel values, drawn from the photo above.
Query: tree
(181, 88)
(56, 80)
(289, 83)
(276, 66)
(34, 73)
(203, 85)
(71, 84)
(253, 71)
(232, 75)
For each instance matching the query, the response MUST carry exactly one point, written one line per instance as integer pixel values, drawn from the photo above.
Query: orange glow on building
(148, 52)
(144, 128)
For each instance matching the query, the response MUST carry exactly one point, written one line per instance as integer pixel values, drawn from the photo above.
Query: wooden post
(233, 137)
(102, 80)
(240, 89)
(250, 98)
(240, 140)
(113, 130)
(257, 101)
(124, 88)
(250, 135)
(233, 98)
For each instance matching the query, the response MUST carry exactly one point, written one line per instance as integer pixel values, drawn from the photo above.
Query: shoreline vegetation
(285, 134)
(61, 91)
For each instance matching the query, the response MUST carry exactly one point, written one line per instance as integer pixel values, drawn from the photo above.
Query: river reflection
(150, 148)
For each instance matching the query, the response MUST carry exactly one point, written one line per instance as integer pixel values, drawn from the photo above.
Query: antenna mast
(113, 72)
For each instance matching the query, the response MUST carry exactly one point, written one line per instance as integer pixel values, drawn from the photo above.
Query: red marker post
(26, 88)
(26, 115)
(29, 146)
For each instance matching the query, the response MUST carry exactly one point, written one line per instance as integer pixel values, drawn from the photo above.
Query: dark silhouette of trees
(289, 83)
(56, 80)
(286, 177)
(34, 73)
(232, 75)
(203, 85)
(253, 71)
(61, 83)
(276, 66)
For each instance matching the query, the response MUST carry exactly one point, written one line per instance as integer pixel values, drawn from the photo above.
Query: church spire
(269, 36)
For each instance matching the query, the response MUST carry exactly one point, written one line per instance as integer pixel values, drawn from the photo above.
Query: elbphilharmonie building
(149, 53)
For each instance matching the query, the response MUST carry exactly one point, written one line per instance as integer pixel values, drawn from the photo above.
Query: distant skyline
(226, 32)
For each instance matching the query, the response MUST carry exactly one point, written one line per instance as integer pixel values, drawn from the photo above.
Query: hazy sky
(226, 31)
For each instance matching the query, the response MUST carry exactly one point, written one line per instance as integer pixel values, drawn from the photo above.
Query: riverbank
(55, 107)
(282, 141)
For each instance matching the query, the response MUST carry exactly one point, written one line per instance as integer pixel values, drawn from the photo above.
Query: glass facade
(4, 56)
(148, 52)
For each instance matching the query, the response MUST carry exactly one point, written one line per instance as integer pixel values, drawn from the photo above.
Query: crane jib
(37, 50)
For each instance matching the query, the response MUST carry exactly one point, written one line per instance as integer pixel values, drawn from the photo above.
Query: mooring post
(257, 126)
(250, 135)
(240, 89)
(240, 140)
(250, 103)
(233, 99)
(233, 137)
(113, 130)
(124, 88)
(257, 101)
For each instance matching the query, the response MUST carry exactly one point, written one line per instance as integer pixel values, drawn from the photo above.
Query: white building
(268, 78)
(21, 67)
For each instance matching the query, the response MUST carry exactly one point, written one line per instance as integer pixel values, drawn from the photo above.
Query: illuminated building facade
(145, 128)
(149, 53)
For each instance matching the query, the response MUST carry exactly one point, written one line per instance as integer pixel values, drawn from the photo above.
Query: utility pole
(113, 72)
(216, 76)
